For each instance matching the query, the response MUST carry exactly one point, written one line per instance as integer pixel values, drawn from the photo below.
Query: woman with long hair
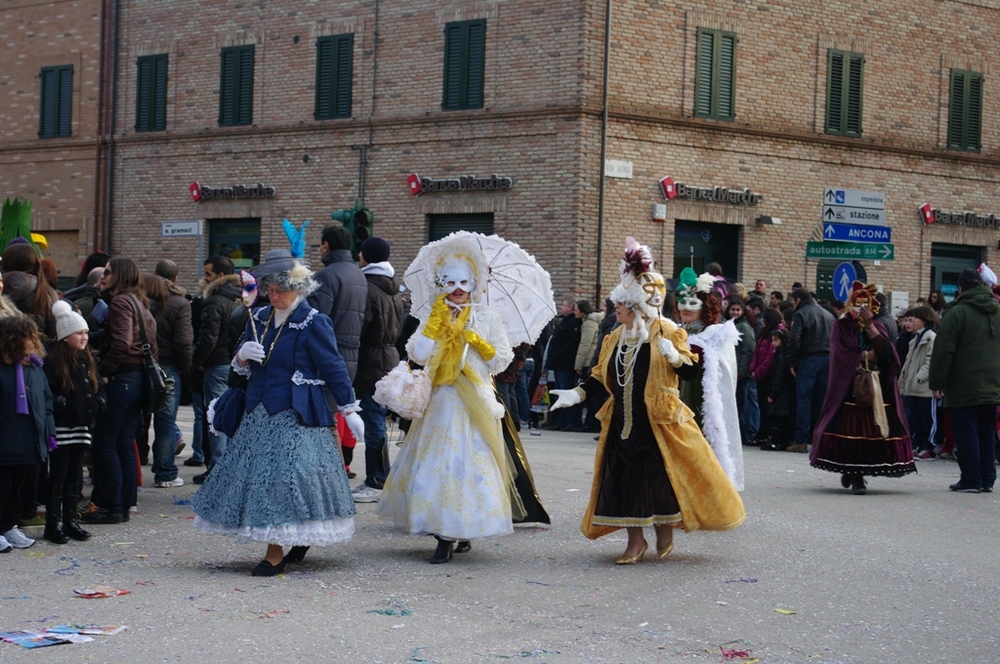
(746, 388)
(28, 288)
(122, 365)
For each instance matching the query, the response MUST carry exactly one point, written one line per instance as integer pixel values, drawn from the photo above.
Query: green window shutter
(464, 64)
(965, 111)
(151, 93)
(236, 87)
(65, 101)
(715, 74)
(855, 94)
(55, 116)
(703, 85)
(726, 108)
(974, 113)
(844, 93)
(334, 76)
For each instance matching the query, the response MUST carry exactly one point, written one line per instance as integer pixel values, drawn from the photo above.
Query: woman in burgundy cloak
(852, 439)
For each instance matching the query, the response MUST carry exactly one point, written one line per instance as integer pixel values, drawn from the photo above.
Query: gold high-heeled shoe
(632, 560)
(662, 553)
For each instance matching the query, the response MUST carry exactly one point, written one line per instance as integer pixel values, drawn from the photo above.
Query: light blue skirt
(278, 482)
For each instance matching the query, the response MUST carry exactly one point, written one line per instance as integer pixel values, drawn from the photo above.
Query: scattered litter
(721, 603)
(101, 563)
(59, 635)
(414, 655)
(99, 592)
(730, 654)
(194, 597)
(67, 570)
(13, 597)
(571, 490)
(539, 583)
(182, 501)
(742, 581)
(239, 590)
(525, 653)
(271, 614)
(145, 583)
(97, 630)
(141, 555)
(785, 612)
(391, 612)
(123, 543)
(35, 554)
(643, 624)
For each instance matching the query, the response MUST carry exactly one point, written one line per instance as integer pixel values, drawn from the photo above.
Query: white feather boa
(720, 420)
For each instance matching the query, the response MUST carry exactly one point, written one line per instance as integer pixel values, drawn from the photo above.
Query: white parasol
(517, 288)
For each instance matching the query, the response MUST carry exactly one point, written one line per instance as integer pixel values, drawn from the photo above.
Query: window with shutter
(55, 113)
(965, 111)
(151, 93)
(464, 65)
(334, 74)
(236, 86)
(844, 92)
(715, 75)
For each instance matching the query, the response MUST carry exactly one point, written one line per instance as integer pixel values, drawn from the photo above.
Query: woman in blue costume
(282, 480)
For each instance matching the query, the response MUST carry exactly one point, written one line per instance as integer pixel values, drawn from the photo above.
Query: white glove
(567, 398)
(356, 425)
(251, 351)
(669, 351)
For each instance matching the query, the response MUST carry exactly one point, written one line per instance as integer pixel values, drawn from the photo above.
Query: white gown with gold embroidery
(445, 481)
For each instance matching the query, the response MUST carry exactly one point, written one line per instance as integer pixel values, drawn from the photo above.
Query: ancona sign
(743, 196)
(422, 185)
(202, 192)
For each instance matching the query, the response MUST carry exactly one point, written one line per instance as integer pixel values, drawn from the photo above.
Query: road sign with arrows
(850, 206)
(856, 233)
(851, 251)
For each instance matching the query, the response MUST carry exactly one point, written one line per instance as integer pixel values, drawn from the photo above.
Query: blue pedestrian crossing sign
(843, 277)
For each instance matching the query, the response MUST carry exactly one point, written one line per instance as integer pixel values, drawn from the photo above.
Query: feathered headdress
(641, 288)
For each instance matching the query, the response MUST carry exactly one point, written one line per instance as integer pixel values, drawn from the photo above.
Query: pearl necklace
(627, 354)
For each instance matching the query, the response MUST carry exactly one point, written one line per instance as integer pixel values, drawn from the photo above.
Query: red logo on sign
(668, 188)
(927, 213)
(195, 190)
(413, 180)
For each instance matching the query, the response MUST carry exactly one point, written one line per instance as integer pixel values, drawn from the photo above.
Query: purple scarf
(21, 400)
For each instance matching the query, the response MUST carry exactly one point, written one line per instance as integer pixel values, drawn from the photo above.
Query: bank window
(334, 73)
(56, 102)
(965, 110)
(442, 225)
(464, 64)
(844, 92)
(237, 239)
(236, 89)
(151, 93)
(715, 71)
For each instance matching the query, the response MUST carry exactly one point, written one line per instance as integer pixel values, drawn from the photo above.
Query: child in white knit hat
(78, 398)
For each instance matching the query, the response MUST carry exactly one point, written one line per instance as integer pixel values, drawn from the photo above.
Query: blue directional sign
(856, 233)
(843, 277)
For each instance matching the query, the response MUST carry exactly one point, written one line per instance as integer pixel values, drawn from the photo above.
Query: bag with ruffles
(404, 391)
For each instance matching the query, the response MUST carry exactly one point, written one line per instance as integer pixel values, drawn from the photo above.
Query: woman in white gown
(452, 478)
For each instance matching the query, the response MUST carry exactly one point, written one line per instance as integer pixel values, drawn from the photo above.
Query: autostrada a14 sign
(672, 190)
(421, 185)
(203, 192)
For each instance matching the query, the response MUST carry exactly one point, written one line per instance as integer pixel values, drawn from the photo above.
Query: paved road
(907, 573)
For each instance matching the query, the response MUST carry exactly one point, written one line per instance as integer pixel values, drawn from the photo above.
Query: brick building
(323, 103)
(50, 121)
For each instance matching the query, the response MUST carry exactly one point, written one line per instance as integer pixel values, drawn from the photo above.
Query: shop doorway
(443, 225)
(696, 244)
(237, 239)
(947, 262)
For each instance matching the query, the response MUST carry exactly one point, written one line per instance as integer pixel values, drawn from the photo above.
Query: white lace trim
(349, 408)
(308, 533)
(299, 379)
(305, 322)
(240, 369)
(210, 415)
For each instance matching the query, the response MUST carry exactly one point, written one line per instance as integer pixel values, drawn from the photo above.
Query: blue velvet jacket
(302, 362)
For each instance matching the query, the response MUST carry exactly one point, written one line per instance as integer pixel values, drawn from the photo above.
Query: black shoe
(265, 568)
(463, 546)
(987, 489)
(443, 552)
(858, 486)
(295, 554)
(200, 479)
(101, 515)
(961, 488)
(73, 529)
(194, 462)
(845, 481)
(54, 533)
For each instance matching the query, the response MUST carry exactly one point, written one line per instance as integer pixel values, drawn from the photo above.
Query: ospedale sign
(203, 192)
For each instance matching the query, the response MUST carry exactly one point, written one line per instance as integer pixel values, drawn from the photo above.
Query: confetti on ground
(67, 570)
(35, 554)
(194, 597)
(414, 655)
(145, 583)
(101, 563)
(100, 592)
(391, 612)
(730, 654)
(571, 490)
(13, 597)
(123, 544)
(742, 581)
(182, 501)
(271, 614)
(539, 583)
(785, 612)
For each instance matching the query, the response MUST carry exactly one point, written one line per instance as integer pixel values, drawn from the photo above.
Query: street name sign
(182, 228)
(851, 251)
(851, 206)
(856, 233)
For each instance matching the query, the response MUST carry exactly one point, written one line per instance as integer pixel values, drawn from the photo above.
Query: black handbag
(154, 383)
